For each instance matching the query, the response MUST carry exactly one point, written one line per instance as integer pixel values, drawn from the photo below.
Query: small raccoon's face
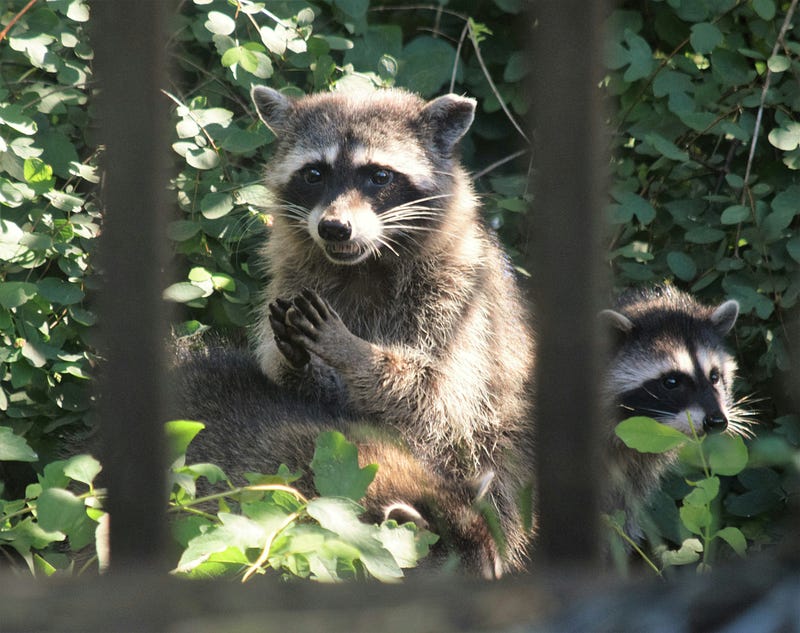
(684, 390)
(670, 363)
(361, 175)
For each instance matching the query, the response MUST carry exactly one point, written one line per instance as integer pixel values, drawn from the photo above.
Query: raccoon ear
(449, 118)
(616, 320)
(725, 316)
(273, 107)
(404, 513)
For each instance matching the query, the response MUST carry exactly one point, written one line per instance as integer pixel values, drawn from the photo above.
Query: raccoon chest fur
(388, 299)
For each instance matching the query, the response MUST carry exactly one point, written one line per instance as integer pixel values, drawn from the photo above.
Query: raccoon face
(671, 365)
(363, 174)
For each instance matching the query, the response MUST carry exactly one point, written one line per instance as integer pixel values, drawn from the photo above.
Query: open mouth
(345, 252)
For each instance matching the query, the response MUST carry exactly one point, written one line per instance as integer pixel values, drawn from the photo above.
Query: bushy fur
(669, 362)
(389, 308)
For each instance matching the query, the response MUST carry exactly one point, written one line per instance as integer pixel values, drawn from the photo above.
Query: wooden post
(564, 226)
(129, 48)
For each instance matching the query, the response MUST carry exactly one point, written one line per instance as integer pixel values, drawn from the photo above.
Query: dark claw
(319, 304)
(307, 310)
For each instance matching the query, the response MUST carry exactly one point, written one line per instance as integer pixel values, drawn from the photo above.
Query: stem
(621, 533)
(15, 19)
(178, 507)
(267, 546)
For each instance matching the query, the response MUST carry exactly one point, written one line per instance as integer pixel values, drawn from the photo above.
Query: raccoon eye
(670, 382)
(714, 376)
(312, 176)
(381, 177)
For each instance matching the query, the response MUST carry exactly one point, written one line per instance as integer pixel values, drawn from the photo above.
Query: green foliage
(278, 527)
(703, 519)
(704, 188)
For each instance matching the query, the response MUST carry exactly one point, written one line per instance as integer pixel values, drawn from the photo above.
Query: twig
(267, 546)
(15, 19)
(778, 43)
(461, 39)
(488, 76)
(498, 163)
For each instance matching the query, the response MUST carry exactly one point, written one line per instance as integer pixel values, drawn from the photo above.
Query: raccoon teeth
(344, 251)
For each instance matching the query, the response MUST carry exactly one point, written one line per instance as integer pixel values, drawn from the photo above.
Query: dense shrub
(705, 184)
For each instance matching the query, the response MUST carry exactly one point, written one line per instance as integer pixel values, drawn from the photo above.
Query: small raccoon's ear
(449, 118)
(617, 320)
(273, 107)
(725, 316)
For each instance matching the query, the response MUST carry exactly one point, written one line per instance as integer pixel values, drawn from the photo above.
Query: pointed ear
(725, 316)
(404, 513)
(616, 320)
(273, 107)
(449, 118)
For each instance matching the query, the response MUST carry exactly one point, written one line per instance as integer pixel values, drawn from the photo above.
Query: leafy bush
(705, 183)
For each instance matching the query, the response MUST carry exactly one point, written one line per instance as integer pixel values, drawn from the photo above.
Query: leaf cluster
(269, 524)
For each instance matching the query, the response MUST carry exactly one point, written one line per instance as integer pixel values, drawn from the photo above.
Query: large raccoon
(669, 363)
(389, 304)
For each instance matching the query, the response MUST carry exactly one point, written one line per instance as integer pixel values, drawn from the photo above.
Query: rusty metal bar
(564, 258)
(128, 39)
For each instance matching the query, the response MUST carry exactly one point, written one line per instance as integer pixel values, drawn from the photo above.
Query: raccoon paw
(296, 354)
(312, 323)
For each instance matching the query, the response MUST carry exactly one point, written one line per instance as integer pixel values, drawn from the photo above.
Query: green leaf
(634, 204)
(13, 116)
(704, 235)
(59, 509)
(681, 265)
(426, 64)
(705, 491)
(735, 214)
(696, 518)
(727, 455)
(336, 469)
(765, 9)
(16, 293)
(14, 448)
(733, 536)
(83, 468)
(183, 292)
(179, 434)
(779, 63)
(340, 516)
(37, 171)
(60, 291)
(648, 436)
(221, 23)
(705, 37)
(216, 205)
(786, 137)
(689, 553)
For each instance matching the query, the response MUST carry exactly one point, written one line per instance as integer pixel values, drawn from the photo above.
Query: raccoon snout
(715, 423)
(334, 230)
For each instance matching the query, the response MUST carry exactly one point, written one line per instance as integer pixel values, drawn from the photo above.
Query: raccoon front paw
(296, 354)
(313, 323)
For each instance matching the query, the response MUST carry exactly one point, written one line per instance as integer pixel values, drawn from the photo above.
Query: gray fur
(423, 340)
(659, 331)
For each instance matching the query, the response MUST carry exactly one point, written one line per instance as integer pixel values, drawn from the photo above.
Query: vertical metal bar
(129, 41)
(564, 227)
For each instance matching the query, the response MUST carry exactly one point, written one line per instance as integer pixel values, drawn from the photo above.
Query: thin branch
(498, 163)
(778, 44)
(461, 39)
(15, 19)
(488, 76)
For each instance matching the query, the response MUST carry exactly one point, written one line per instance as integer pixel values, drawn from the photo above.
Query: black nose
(715, 423)
(334, 230)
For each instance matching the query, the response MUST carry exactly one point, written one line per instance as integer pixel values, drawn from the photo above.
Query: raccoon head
(361, 174)
(670, 364)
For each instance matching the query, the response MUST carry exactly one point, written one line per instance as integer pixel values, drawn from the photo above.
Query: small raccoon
(669, 363)
(390, 306)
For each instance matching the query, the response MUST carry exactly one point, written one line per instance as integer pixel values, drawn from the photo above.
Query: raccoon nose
(334, 230)
(715, 423)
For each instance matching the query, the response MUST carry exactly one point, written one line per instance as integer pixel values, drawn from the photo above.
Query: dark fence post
(129, 39)
(564, 226)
